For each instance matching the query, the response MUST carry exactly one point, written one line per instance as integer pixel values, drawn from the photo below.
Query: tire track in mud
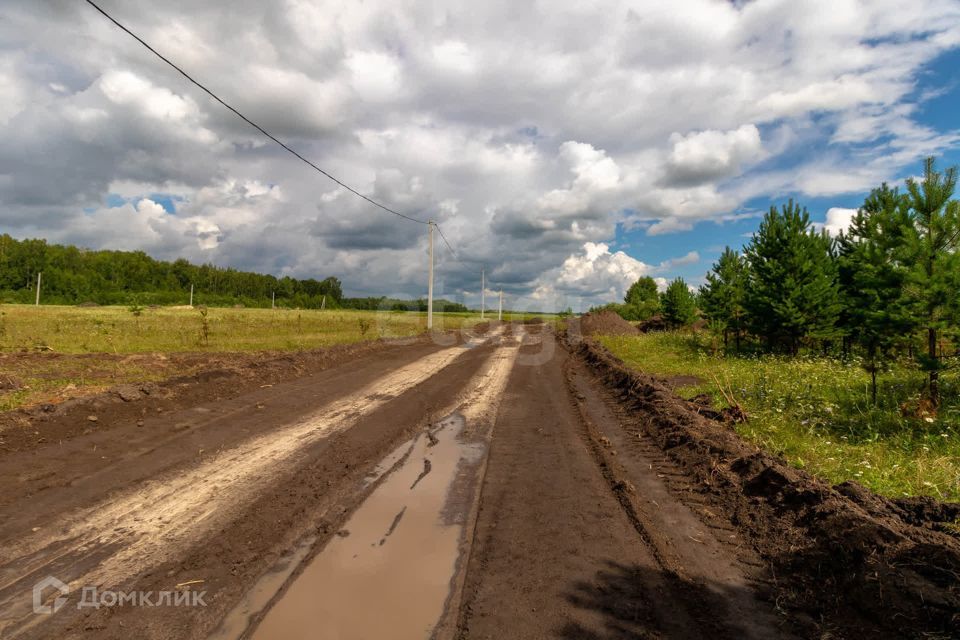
(569, 543)
(549, 533)
(121, 536)
(697, 555)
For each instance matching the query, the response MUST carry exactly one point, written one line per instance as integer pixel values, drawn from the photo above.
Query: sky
(566, 147)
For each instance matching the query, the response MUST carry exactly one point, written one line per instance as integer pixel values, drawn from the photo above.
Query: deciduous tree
(642, 300)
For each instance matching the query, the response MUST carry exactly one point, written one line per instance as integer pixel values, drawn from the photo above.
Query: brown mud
(605, 507)
(839, 560)
(187, 378)
(240, 530)
(607, 323)
(570, 543)
(394, 550)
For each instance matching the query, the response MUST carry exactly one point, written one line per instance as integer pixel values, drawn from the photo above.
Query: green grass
(54, 352)
(171, 329)
(816, 412)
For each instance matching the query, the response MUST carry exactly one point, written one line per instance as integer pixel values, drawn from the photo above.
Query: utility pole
(38, 287)
(323, 303)
(500, 310)
(191, 294)
(430, 284)
(483, 291)
(273, 299)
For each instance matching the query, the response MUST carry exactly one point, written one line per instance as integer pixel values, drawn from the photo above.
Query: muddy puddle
(388, 573)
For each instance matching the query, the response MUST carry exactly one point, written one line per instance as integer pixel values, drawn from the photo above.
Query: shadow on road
(636, 602)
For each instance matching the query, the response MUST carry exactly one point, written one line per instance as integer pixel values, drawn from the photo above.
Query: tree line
(72, 275)
(888, 287)
(675, 307)
(383, 303)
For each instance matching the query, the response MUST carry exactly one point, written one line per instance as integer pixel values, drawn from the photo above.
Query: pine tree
(722, 297)
(792, 289)
(679, 308)
(932, 246)
(872, 275)
(642, 300)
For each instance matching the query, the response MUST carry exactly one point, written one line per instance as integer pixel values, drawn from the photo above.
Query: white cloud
(690, 258)
(838, 219)
(706, 155)
(454, 56)
(375, 76)
(596, 271)
(524, 134)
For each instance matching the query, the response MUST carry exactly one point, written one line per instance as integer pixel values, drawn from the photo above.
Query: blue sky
(940, 112)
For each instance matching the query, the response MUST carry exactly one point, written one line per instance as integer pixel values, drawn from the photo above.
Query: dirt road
(502, 486)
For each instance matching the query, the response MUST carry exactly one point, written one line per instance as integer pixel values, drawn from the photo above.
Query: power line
(454, 253)
(254, 124)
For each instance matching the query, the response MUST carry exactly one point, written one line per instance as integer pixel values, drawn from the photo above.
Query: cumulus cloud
(838, 220)
(593, 274)
(708, 155)
(596, 270)
(527, 137)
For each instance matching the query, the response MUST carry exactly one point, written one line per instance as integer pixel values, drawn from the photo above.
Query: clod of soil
(606, 323)
(655, 323)
(844, 557)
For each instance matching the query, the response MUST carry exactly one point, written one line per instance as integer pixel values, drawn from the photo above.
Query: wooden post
(483, 291)
(430, 283)
(38, 288)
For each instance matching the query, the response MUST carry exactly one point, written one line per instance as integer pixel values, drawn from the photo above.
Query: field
(49, 352)
(816, 412)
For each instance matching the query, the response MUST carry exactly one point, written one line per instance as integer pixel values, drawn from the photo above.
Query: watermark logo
(49, 583)
(92, 597)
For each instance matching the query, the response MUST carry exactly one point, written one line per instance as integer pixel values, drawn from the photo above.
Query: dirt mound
(606, 323)
(654, 323)
(481, 328)
(845, 559)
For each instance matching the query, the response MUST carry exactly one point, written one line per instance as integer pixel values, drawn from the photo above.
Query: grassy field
(49, 353)
(816, 412)
(119, 330)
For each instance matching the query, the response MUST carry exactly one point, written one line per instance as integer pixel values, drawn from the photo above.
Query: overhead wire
(254, 124)
(269, 135)
(452, 252)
